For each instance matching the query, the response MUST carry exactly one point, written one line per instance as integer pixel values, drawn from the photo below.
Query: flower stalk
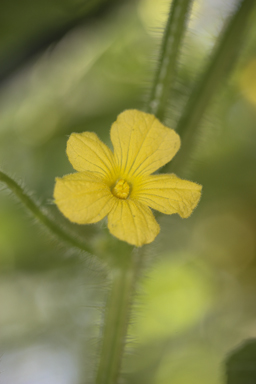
(116, 318)
(165, 73)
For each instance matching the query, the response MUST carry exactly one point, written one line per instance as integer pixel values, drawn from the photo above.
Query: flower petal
(132, 222)
(86, 152)
(83, 198)
(141, 143)
(168, 194)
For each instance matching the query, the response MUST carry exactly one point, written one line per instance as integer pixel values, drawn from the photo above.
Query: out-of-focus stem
(220, 64)
(167, 62)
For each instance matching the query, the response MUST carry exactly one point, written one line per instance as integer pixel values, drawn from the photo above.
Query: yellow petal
(132, 222)
(86, 152)
(83, 198)
(141, 143)
(168, 194)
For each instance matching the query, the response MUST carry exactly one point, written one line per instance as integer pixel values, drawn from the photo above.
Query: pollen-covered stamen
(121, 189)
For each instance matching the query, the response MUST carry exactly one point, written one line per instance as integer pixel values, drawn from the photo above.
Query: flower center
(121, 189)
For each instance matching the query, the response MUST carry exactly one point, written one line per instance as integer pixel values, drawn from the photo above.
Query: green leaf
(241, 364)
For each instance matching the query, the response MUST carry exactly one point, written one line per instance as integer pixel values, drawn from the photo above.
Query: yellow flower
(120, 184)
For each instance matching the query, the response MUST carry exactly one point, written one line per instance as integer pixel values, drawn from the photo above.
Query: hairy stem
(220, 64)
(124, 276)
(117, 318)
(174, 32)
(40, 215)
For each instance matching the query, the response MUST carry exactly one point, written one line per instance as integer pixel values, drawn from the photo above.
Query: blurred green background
(73, 65)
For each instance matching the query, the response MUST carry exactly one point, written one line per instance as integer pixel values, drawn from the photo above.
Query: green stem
(116, 319)
(174, 32)
(220, 64)
(124, 276)
(40, 215)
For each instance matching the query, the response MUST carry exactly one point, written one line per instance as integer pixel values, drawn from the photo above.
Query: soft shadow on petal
(141, 143)
(168, 194)
(86, 152)
(132, 222)
(83, 198)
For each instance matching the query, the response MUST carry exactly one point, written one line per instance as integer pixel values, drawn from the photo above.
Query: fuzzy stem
(220, 64)
(124, 276)
(117, 318)
(40, 215)
(174, 32)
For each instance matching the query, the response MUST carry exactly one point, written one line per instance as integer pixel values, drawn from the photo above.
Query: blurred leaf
(30, 27)
(241, 364)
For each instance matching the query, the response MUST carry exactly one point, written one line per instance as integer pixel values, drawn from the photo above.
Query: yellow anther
(121, 189)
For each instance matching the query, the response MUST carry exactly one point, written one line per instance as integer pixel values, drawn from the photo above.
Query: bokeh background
(73, 65)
